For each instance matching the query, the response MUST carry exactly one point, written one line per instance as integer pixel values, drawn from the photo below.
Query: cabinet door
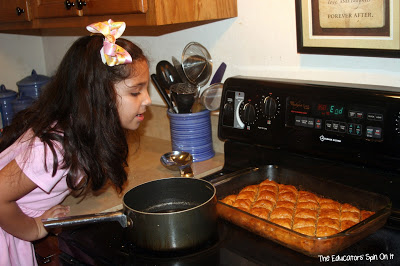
(14, 11)
(54, 8)
(101, 7)
(70, 8)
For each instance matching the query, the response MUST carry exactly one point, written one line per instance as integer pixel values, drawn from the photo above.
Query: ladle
(163, 93)
(167, 74)
(178, 160)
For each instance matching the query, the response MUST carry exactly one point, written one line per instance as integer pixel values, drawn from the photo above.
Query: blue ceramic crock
(31, 86)
(6, 98)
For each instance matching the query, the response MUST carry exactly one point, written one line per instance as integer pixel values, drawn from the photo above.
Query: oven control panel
(259, 111)
(245, 112)
(324, 118)
(336, 117)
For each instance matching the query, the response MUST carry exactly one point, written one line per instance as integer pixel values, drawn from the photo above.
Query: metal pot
(168, 214)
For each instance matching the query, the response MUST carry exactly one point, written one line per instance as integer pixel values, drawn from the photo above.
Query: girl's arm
(14, 184)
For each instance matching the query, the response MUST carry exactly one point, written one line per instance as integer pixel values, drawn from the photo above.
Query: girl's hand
(54, 212)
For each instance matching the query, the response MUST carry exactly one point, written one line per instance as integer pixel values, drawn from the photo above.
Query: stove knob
(228, 114)
(248, 113)
(270, 107)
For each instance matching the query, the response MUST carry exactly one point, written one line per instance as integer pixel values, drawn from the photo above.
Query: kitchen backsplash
(156, 124)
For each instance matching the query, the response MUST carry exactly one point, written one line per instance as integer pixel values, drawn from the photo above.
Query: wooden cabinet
(14, 11)
(163, 12)
(53, 9)
(101, 7)
(71, 8)
(54, 14)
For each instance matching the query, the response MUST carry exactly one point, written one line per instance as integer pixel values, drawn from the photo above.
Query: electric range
(343, 133)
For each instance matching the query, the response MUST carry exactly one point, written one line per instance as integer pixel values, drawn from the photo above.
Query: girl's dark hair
(77, 108)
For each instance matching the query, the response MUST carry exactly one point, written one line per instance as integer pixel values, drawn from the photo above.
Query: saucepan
(169, 214)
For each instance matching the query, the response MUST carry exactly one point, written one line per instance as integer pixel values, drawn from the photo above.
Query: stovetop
(104, 244)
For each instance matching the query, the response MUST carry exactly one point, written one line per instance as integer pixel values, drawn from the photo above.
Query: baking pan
(308, 245)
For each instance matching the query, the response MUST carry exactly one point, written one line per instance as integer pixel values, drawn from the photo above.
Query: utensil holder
(191, 133)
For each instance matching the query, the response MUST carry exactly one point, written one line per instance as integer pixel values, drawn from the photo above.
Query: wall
(19, 55)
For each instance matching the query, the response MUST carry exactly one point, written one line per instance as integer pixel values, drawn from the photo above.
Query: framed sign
(349, 27)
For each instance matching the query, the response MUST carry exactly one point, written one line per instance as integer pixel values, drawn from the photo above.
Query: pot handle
(118, 216)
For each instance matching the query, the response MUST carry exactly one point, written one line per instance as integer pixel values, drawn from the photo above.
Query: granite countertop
(144, 165)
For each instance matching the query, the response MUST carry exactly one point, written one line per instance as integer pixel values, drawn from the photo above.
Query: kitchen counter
(144, 165)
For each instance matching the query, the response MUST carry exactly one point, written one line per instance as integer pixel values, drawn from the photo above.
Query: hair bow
(111, 53)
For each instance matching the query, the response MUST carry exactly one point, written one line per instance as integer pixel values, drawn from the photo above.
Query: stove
(343, 133)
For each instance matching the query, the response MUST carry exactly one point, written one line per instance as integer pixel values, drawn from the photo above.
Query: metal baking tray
(308, 245)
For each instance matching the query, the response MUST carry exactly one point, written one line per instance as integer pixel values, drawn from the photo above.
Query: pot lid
(4, 93)
(33, 79)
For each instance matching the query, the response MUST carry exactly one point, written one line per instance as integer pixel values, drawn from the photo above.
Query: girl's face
(133, 97)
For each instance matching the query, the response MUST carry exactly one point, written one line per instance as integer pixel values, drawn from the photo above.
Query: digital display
(336, 109)
(306, 107)
(298, 106)
(330, 109)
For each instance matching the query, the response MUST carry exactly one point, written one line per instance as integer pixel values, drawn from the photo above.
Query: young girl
(72, 138)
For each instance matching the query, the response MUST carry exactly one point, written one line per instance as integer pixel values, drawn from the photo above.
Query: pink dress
(51, 191)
